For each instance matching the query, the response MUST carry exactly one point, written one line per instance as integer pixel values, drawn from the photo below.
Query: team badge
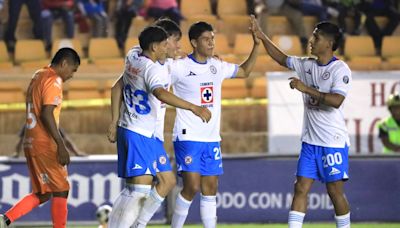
(162, 160)
(346, 79)
(206, 94)
(188, 160)
(326, 76)
(213, 69)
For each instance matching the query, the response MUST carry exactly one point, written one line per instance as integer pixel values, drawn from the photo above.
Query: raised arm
(116, 101)
(277, 54)
(169, 98)
(247, 66)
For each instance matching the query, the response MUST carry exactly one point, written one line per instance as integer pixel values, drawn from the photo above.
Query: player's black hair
(169, 26)
(331, 30)
(68, 54)
(151, 34)
(198, 28)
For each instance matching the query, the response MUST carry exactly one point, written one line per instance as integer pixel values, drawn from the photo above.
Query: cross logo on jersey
(206, 94)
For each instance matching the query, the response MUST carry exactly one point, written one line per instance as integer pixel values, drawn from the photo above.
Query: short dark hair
(198, 28)
(68, 54)
(151, 34)
(331, 30)
(169, 26)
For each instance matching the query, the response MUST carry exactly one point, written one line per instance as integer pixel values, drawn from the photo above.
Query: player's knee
(43, 197)
(334, 190)
(191, 190)
(300, 189)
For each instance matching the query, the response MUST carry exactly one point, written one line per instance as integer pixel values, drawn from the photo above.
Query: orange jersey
(44, 89)
(46, 173)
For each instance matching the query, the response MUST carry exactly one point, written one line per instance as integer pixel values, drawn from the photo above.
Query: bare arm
(49, 123)
(277, 54)
(247, 66)
(169, 98)
(116, 101)
(329, 99)
(391, 146)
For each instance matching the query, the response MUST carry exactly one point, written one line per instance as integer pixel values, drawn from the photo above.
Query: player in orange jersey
(45, 150)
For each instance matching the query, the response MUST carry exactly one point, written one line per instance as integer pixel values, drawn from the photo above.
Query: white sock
(126, 207)
(296, 219)
(208, 211)
(180, 212)
(150, 206)
(343, 221)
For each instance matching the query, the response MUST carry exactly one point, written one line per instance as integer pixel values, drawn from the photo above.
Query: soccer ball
(102, 213)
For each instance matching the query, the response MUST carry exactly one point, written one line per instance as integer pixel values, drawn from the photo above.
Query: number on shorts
(332, 159)
(217, 152)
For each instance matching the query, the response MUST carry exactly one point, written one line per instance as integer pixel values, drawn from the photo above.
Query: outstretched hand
(256, 30)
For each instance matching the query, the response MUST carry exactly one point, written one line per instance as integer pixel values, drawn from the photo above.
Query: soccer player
(143, 92)
(198, 78)
(165, 176)
(324, 82)
(45, 150)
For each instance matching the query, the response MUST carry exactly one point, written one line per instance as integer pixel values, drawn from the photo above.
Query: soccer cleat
(2, 221)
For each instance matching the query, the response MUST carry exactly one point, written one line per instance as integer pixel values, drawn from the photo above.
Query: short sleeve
(296, 64)
(153, 77)
(341, 81)
(229, 70)
(52, 91)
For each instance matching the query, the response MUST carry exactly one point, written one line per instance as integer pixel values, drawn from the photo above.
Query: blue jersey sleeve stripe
(289, 62)
(235, 71)
(339, 92)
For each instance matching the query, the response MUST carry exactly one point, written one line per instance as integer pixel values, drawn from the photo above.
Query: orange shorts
(47, 175)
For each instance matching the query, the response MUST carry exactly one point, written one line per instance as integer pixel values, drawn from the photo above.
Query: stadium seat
(263, 63)
(130, 43)
(193, 8)
(221, 45)
(83, 89)
(234, 89)
(107, 88)
(243, 44)
(360, 53)
(104, 53)
(186, 47)
(278, 25)
(259, 87)
(30, 54)
(185, 24)
(231, 7)
(289, 44)
(138, 24)
(391, 52)
(71, 43)
(11, 91)
(5, 61)
(232, 25)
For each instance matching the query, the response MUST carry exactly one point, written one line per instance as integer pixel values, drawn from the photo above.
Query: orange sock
(23, 207)
(59, 212)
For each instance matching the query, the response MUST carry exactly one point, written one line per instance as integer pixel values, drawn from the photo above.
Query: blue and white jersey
(165, 79)
(200, 84)
(140, 108)
(323, 125)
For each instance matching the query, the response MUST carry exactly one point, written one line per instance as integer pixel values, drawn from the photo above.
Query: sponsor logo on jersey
(326, 76)
(308, 71)
(191, 73)
(137, 166)
(207, 94)
(213, 69)
(45, 178)
(346, 79)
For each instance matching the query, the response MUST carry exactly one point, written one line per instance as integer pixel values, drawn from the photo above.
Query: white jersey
(165, 79)
(200, 84)
(323, 125)
(140, 107)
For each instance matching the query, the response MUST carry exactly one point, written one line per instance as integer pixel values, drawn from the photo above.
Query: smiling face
(204, 45)
(173, 45)
(161, 50)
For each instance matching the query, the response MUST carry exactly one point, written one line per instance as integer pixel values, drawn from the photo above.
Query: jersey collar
(330, 61)
(190, 56)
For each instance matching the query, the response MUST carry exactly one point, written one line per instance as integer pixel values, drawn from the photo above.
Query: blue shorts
(163, 163)
(199, 157)
(136, 156)
(323, 163)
